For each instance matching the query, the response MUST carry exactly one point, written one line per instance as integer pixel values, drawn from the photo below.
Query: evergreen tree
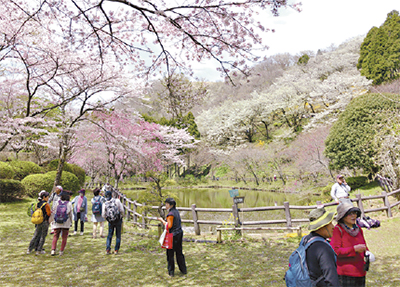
(351, 142)
(380, 52)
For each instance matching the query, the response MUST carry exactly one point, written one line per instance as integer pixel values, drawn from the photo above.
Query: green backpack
(31, 209)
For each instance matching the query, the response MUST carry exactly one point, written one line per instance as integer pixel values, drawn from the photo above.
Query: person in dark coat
(320, 257)
(173, 224)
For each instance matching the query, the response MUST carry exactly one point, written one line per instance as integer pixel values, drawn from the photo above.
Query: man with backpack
(320, 258)
(112, 211)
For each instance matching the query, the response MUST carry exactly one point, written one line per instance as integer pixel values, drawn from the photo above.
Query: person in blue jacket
(80, 210)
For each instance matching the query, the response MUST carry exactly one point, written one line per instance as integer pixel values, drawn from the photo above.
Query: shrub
(6, 171)
(34, 183)
(69, 181)
(53, 165)
(10, 189)
(72, 168)
(79, 172)
(24, 168)
(357, 181)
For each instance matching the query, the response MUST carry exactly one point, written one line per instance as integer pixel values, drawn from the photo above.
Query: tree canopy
(380, 52)
(351, 141)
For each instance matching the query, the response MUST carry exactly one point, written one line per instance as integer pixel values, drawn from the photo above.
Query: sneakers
(61, 253)
(116, 252)
(53, 252)
(28, 251)
(40, 252)
(108, 252)
(81, 233)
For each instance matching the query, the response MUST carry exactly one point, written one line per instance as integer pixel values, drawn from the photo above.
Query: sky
(320, 24)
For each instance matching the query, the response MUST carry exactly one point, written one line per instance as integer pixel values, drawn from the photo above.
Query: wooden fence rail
(143, 219)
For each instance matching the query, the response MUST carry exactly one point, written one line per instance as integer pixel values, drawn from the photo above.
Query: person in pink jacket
(349, 244)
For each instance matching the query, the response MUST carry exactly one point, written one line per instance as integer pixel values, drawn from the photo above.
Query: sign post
(234, 193)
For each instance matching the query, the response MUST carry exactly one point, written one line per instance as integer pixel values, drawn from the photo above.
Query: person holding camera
(340, 190)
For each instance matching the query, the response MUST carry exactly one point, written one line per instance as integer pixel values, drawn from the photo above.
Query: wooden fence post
(219, 236)
(159, 230)
(128, 214)
(196, 225)
(235, 212)
(134, 212)
(143, 216)
(360, 204)
(387, 204)
(287, 214)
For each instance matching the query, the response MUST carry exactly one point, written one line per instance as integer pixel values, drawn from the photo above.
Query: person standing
(41, 229)
(54, 197)
(173, 224)
(80, 210)
(62, 217)
(320, 257)
(112, 211)
(340, 190)
(349, 244)
(97, 209)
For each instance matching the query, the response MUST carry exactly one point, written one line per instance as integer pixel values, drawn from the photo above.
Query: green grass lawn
(250, 262)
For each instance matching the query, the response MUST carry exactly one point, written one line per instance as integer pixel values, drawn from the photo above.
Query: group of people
(103, 208)
(345, 260)
(64, 211)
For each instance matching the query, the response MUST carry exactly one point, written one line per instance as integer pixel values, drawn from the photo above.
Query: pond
(220, 198)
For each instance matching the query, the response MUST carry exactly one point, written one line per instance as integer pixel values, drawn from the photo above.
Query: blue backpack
(97, 207)
(61, 214)
(298, 275)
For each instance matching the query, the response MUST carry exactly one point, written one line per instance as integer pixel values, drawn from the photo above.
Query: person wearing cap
(349, 244)
(174, 226)
(115, 225)
(41, 229)
(80, 210)
(320, 257)
(55, 196)
(340, 190)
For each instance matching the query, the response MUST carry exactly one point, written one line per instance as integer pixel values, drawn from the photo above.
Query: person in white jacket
(340, 190)
(61, 224)
(112, 211)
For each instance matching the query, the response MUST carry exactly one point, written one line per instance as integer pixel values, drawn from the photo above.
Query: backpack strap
(308, 244)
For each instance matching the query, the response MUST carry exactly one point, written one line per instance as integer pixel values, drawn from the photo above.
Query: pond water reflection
(220, 198)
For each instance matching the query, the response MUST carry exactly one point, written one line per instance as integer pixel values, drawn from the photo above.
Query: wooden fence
(143, 219)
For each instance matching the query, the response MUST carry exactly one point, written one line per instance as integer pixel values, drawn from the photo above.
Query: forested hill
(296, 94)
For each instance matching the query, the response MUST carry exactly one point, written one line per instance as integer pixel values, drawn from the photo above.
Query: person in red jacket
(349, 244)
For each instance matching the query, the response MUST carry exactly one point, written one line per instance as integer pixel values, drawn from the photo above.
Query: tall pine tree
(380, 52)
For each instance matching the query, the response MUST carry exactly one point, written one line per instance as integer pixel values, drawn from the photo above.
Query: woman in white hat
(349, 244)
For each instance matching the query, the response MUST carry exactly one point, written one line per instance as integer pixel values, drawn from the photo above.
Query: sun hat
(339, 176)
(319, 218)
(82, 191)
(344, 208)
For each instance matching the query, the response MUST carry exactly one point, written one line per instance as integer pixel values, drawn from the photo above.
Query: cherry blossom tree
(170, 34)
